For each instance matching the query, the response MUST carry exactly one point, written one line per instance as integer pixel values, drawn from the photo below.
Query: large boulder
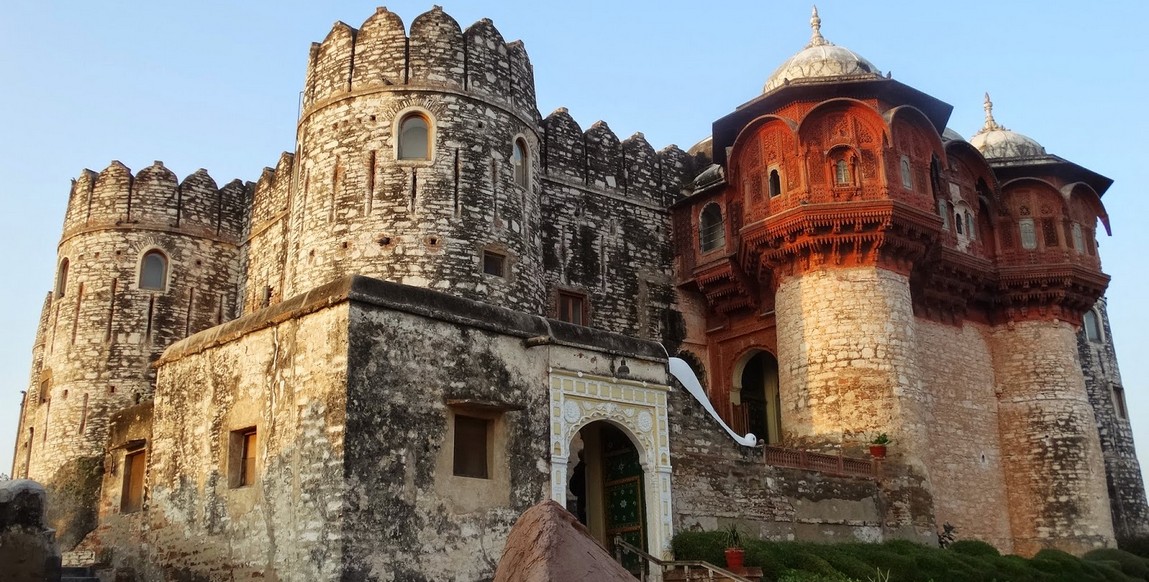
(548, 544)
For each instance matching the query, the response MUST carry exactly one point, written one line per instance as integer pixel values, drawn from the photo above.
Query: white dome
(995, 141)
(821, 59)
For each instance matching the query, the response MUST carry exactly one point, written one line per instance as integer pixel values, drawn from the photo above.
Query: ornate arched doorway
(756, 396)
(622, 428)
(606, 485)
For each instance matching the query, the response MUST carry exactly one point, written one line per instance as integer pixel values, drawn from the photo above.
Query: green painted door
(623, 494)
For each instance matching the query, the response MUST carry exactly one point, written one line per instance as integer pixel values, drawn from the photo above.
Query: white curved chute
(685, 374)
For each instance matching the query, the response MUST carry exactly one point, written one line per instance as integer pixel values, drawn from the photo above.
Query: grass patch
(903, 561)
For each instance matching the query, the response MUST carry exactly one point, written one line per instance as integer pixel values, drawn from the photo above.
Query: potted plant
(878, 446)
(735, 554)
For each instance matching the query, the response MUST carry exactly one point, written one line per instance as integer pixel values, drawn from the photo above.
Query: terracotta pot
(878, 451)
(735, 558)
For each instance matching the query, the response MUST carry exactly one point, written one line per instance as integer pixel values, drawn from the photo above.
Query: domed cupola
(996, 142)
(821, 61)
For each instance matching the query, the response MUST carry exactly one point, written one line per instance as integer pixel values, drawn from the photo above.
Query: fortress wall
(1106, 395)
(615, 251)
(1051, 452)
(717, 483)
(288, 381)
(965, 450)
(265, 252)
(413, 518)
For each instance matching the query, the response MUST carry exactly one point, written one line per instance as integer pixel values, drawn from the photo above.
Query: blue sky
(215, 85)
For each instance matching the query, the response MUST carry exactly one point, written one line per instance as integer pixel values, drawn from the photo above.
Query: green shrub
(973, 548)
(1130, 564)
(1135, 546)
(700, 545)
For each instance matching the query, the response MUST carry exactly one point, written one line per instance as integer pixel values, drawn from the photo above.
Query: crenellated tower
(418, 161)
(144, 260)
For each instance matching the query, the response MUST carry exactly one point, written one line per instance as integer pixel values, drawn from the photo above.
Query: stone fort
(442, 306)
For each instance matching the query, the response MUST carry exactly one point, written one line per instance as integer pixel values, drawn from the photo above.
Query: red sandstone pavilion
(444, 308)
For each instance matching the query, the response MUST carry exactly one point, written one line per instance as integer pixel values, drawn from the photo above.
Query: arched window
(711, 231)
(154, 271)
(414, 138)
(1092, 326)
(62, 279)
(907, 174)
(958, 222)
(520, 159)
(969, 224)
(842, 173)
(775, 183)
(943, 212)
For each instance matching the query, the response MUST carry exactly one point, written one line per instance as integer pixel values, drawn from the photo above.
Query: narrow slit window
(1092, 325)
(62, 279)
(154, 271)
(520, 159)
(775, 183)
(907, 174)
(414, 138)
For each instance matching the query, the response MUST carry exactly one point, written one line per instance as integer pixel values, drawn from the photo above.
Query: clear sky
(215, 84)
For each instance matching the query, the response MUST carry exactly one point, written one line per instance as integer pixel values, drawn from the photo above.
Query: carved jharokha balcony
(831, 464)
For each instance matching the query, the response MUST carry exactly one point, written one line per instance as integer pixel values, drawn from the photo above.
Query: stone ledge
(424, 303)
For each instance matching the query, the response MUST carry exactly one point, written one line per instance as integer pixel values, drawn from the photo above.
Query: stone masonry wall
(410, 520)
(288, 380)
(846, 361)
(1107, 397)
(1051, 453)
(965, 449)
(606, 233)
(718, 482)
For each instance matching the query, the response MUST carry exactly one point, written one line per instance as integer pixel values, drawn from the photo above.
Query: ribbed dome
(821, 59)
(996, 142)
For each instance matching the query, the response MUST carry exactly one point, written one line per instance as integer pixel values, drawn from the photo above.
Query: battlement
(154, 198)
(598, 159)
(270, 193)
(437, 54)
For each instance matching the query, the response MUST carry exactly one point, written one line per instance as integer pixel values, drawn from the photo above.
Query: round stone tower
(418, 161)
(1050, 276)
(144, 261)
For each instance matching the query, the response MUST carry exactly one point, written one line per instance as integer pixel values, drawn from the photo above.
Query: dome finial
(816, 38)
(990, 123)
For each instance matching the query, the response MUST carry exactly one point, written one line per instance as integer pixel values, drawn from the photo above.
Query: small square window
(572, 308)
(241, 457)
(494, 264)
(472, 452)
(132, 496)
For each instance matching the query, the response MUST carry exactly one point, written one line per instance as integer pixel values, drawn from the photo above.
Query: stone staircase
(704, 572)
